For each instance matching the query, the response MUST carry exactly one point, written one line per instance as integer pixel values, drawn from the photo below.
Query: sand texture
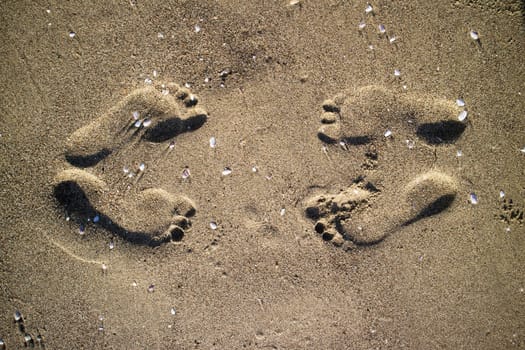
(262, 174)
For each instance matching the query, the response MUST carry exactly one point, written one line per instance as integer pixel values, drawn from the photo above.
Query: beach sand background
(264, 278)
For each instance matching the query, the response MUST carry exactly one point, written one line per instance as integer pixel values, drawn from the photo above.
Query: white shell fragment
(186, 173)
(135, 115)
(460, 102)
(501, 194)
(111, 245)
(473, 198)
(392, 39)
(410, 144)
(151, 288)
(368, 8)
(146, 122)
(96, 218)
(213, 225)
(148, 81)
(388, 133)
(18, 316)
(227, 171)
(381, 28)
(104, 268)
(72, 34)
(522, 150)
(474, 35)
(142, 167)
(172, 145)
(459, 153)
(254, 169)
(213, 142)
(197, 28)
(282, 211)
(462, 116)
(361, 25)
(138, 123)
(397, 73)
(125, 170)
(81, 229)
(173, 311)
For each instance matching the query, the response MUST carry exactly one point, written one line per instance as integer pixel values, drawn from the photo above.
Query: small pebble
(146, 122)
(213, 225)
(2, 344)
(282, 212)
(460, 102)
(462, 116)
(388, 133)
(125, 170)
(410, 144)
(28, 340)
(507, 229)
(254, 169)
(474, 35)
(187, 85)
(501, 194)
(197, 28)
(96, 219)
(227, 171)
(459, 153)
(173, 311)
(134, 284)
(111, 245)
(142, 167)
(104, 268)
(172, 145)
(213, 142)
(522, 150)
(151, 288)
(473, 198)
(81, 229)
(160, 36)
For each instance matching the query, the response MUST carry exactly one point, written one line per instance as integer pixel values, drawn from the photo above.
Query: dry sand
(341, 239)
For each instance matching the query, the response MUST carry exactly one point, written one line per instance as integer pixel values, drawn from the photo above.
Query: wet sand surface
(262, 175)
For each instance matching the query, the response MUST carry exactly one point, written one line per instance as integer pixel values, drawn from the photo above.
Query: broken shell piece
(227, 171)
(138, 123)
(410, 144)
(392, 39)
(213, 142)
(18, 316)
(213, 225)
(151, 288)
(473, 198)
(186, 173)
(361, 25)
(501, 194)
(173, 311)
(382, 29)
(462, 116)
(172, 145)
(142, 167)
(282, 211)
(397, 73)
(388, 133)
(135, 115)
(369, 8)
(146, 122)
(459, 153)
(460, 102)
(474, 35)
(96, 218)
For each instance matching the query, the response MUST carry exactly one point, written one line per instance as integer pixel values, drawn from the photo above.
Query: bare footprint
(150, 217)
(145, 114)
(390, 130)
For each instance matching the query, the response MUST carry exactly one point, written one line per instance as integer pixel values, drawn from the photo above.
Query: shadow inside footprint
(439, 205)
(170, 128)
(75, 201)
(441, 132)
(89, 160)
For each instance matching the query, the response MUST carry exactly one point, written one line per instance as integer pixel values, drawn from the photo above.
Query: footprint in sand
(397, 136)
(150, 216)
